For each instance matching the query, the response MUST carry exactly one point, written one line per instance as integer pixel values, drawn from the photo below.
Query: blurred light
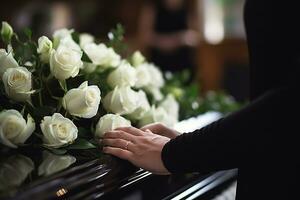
(61, 192)
(110, 36)
(213, 22)
(62, 16)
(197, 122)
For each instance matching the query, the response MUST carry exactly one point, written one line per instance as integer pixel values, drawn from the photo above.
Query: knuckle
(122, 133)
(160, 125)
(144, 140)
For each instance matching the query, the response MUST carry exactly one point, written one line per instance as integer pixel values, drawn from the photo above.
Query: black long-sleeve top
(261, 139)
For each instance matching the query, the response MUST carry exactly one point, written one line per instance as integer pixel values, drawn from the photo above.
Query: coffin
(98, 176)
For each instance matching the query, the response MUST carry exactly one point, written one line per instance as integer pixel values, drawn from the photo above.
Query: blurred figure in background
(43, 17)
(169, 32)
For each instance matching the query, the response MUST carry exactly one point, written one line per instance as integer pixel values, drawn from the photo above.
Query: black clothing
(169, 22)
(260, 139)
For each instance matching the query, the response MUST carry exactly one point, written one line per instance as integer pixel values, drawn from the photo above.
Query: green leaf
(81, 144)
(116, 37)
(28, 33)
(43, 111)
(75, 37)
(57, 151)
(85, 58)
(63, 85)
(83, 132)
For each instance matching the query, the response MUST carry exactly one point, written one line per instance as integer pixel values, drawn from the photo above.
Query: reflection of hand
(141, 148)
(54, 163)
(161, 129)
(14, 171)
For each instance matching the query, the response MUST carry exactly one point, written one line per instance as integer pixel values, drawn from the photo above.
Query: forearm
(254, 131)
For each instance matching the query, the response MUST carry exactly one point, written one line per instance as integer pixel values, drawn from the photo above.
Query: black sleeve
(264, 129)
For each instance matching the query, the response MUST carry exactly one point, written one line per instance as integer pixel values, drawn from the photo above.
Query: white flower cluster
(130, 82)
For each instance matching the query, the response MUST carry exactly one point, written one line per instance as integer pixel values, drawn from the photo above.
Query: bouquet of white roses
(65, 92)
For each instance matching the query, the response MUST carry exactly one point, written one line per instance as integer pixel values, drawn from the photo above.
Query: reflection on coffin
(111, 178)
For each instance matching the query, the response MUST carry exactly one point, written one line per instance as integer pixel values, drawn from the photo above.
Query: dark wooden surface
(98, 176)
(118, 179)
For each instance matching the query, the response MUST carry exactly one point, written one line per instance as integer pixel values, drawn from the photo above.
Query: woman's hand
(141, 148)
(160, 129)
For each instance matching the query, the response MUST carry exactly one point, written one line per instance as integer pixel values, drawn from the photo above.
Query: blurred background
(204, 36)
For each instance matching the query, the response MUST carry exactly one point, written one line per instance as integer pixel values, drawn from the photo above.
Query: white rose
(17, 83)
(143, 106)
(122, 100)
(82, 101)
(137, 58)
(14, 170)
(63, 37)
(58, 131)
(158, 114)
(44, 48)
(54, 163)
(85, 38)
(171, 106)
(14, 129)
(148, 75)
(124, 75)
(110, 122)
(143, 75)
(6, 32)
(6, 61)
(89, 67)
(65, 62)
(101, 55)
(155, 92)
(60, 34)
(69, 43)
(156, 75)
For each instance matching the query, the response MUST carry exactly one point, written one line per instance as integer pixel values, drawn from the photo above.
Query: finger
(131, 130)
(120, 135)
(156, 128)
(120, 153)
(119, 143)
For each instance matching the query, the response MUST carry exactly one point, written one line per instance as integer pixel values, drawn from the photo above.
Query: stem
(59, 105)
(63, 85)
(40, 92)
(49, 90)
(40, 99)
(23, 109)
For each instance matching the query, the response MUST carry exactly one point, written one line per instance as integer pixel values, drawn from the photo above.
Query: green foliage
(116, 37)
(75, 37)
(81, 144)
(191, 101)
(85, 58)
